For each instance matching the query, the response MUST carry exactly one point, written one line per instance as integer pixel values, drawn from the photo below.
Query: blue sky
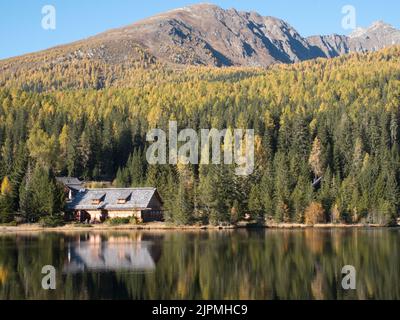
(21, 31)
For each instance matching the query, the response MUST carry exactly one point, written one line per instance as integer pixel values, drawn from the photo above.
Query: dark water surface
(257, 264)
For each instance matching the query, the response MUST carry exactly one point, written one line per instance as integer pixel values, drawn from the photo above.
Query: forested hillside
(332, 119)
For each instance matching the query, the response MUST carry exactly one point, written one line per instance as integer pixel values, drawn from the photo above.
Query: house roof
(136, 198)
(71, 182)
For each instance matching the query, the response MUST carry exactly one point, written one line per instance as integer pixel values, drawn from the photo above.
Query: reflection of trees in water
(295, 264)
(314, 240)
(3, 275)
(318, 284)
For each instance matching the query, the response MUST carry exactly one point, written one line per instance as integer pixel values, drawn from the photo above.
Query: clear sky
(21, 20)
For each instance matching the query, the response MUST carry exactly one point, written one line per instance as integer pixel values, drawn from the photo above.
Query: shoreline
(167, 227)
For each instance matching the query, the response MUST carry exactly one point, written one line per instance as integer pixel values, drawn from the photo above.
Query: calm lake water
(257, 264)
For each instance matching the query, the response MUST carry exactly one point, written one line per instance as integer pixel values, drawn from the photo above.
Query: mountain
(208, 35)
(374, 38)
(201, 34)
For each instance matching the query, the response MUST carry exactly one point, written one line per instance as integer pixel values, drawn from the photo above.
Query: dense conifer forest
(334, 121)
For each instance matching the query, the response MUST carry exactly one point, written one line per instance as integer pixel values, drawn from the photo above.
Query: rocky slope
(206, 34)
(374, 38)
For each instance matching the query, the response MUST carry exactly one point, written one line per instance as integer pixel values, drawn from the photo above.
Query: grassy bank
(167, 227)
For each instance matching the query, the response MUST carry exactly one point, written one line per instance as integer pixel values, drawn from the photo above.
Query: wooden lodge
(97, 205)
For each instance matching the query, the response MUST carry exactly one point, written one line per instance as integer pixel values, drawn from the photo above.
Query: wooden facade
(98, 205)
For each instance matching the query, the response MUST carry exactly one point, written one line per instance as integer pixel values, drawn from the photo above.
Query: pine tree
(222, 192)
(7, 157)
(152, 176)
(183, 209)
(302, 196)
(136, 168)
(40, 195)
(255, 203)
(282, 188)
(205, 192)
(18, 173)
(85, 154)
(25, 196)
(327, 194)
(168, 193)
(267, 193)
(122, 180)
(6, 201)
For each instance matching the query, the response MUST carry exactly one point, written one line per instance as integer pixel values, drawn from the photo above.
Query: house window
(121, 201)
(98, 198)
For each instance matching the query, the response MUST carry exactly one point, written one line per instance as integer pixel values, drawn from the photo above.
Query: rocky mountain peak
(377, 27)
(205, 34)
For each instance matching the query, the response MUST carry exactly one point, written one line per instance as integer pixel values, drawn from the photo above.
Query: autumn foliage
(326, 131)
(315, 214)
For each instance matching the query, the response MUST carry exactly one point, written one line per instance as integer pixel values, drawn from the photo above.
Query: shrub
(118, 221)
(315, 214)
(52, 221)
(135, 220)
(19, 219)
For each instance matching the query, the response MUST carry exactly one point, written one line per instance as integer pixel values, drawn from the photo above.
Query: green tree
(137, 168)
(184, 209)
(40, 195)
(6, 201)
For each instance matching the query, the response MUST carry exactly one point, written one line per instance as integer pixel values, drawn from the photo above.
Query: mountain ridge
(207, 35)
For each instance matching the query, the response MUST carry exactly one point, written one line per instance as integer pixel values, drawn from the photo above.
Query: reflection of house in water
(102, 254)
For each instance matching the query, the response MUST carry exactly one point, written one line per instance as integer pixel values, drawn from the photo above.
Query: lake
(240, 264)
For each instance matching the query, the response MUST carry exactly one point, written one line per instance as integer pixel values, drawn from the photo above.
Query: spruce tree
(136, 168)
(40, 195)
(6, 201)
(183, 211)
(256, 207)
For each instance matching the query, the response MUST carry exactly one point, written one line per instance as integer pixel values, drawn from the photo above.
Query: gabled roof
(71, 182)
(97, 195)
(136, 198)
(125, 194)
